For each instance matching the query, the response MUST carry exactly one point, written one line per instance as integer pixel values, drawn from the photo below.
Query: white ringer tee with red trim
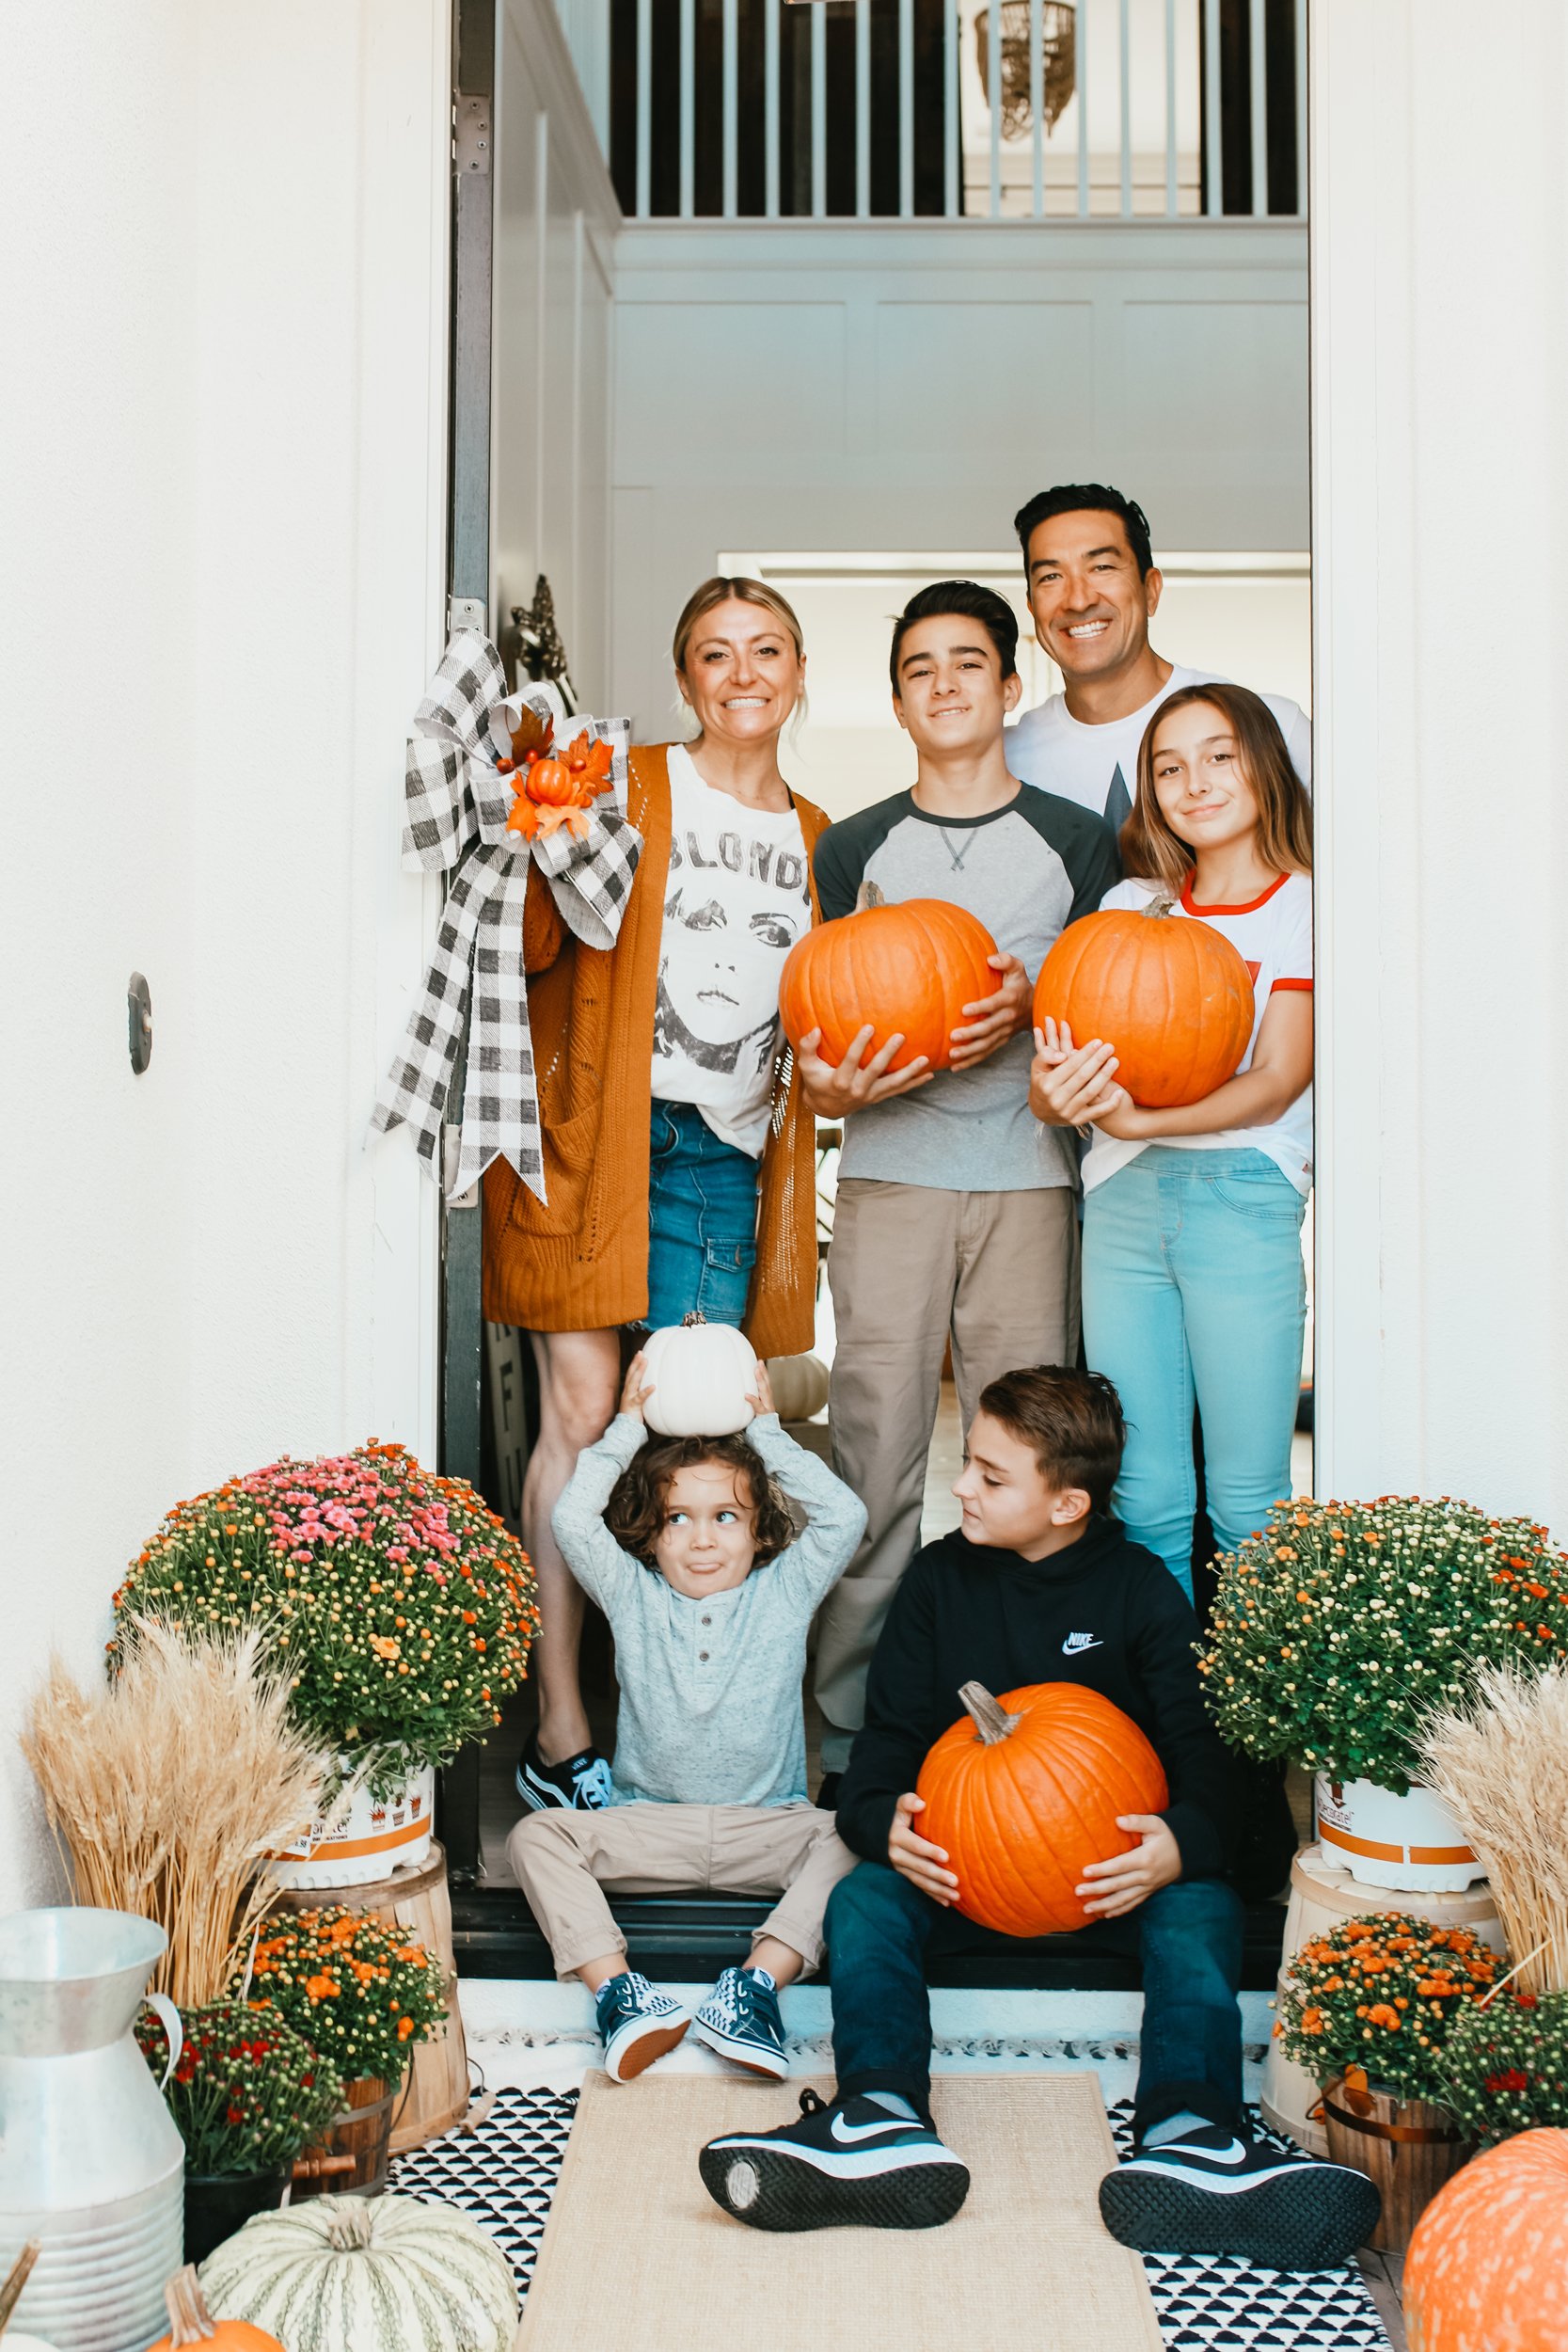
(1272, 935)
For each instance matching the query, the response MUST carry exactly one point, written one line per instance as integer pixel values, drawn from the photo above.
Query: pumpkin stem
(1158, 907)
(348, 2229)
(16, 2278)
(689, 1322)
(189, 2320)
(991, 1720)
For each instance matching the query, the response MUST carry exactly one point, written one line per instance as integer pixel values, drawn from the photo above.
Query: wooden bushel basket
(434, 2097)
(353, 2156)
(1407, 2147)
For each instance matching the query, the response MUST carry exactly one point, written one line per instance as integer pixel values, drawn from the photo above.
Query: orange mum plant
(360, 1991)
(1373, 2000)
(553, 789)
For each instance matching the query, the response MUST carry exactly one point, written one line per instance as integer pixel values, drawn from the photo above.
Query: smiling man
(956, 1219)
(1093, 588)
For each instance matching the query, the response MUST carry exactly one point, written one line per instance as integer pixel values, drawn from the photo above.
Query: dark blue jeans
(882, 1930)
(701, 1219)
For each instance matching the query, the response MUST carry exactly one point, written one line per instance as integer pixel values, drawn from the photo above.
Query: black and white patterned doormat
(504, 2171)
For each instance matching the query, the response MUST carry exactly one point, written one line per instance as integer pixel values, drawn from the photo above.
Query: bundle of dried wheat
(170, 1787)
(1501, 1761)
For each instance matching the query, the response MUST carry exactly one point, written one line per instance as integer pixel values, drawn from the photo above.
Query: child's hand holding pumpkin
(1074, 1086)
(637, 1388)
(915, 1858)
(1128, 1880)
(992, 1020)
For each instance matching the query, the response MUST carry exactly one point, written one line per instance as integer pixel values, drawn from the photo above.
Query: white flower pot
(368, 1838)
(1410, 1842)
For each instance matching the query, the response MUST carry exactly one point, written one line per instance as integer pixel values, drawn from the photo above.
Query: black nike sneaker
(578, 1784)
(847, 2162)
(1213, 2193)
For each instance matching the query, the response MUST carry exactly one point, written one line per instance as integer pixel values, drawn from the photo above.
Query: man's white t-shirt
(1097, 766)
(1272, 935)
(738, 899)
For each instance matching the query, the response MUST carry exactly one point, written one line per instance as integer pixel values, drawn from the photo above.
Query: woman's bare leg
(580, 1378)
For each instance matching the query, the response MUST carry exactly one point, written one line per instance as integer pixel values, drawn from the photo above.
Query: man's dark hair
(1077, 498)
(1072, 1418)
(993, 612)
(635, 1512)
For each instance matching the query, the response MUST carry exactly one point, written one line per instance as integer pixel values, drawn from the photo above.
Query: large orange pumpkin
(1486, 2271)
(913, 967)
(1024, 1790)
(1171, 994)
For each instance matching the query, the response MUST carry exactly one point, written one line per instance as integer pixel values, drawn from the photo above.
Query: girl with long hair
(1193, 1286)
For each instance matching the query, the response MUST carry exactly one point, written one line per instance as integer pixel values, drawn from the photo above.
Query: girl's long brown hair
(635, 1512)
(1150, 849)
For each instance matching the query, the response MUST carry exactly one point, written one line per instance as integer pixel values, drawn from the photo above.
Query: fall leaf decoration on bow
(553, 789)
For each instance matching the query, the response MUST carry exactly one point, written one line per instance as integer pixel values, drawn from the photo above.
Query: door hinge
(471, 144)
(467, 612)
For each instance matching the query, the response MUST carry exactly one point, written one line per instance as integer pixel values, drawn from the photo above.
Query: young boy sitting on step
(687, 1548)
(1039, 1584)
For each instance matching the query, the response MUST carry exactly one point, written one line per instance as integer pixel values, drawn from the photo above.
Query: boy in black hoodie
(1040, 1586)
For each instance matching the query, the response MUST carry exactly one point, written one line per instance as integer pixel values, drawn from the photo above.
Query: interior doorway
(822, 291)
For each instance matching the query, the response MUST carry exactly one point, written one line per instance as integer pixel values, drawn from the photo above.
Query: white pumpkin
(335, 2274)
(703, 1375)
(799, 1386)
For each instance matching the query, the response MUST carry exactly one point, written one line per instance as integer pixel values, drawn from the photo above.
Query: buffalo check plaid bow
(457, 806)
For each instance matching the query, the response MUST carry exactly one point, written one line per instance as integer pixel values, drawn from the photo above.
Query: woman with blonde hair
(1193, 1278)
(679, 1155)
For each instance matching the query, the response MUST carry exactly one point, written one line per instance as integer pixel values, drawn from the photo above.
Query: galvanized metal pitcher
(90, 2161)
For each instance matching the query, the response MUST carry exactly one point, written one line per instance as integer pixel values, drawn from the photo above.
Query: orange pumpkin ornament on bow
(554, 788)
(1024, 1790)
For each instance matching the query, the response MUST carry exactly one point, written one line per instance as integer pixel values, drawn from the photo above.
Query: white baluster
(1214, 171)
(862, 109)
(771, 108)
(906, 109)
(1036, 98)
(644, 107)
(1260, 110)
(1127, 109)
(688, 126)
(1172, 192)
(818, 111)
(952, 160)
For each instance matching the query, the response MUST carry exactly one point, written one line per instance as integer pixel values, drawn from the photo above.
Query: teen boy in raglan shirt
(1041, 1584)
(1093, 591)
(956, 1213)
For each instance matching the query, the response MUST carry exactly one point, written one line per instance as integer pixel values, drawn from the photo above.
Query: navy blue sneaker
(851, 2162)
(637, 2022)
(740, 2020)
(579, 1783)
(1211, 2192)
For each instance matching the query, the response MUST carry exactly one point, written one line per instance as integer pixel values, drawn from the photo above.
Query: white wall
(1440, 352)
(556, 219)
(222, 387)
(839, 388)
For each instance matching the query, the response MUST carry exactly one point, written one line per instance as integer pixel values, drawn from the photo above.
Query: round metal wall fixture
(138, 1011)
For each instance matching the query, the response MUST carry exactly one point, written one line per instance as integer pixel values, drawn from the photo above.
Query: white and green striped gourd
(353, 2274)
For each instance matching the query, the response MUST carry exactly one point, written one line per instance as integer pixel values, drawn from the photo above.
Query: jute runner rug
(637, 2258)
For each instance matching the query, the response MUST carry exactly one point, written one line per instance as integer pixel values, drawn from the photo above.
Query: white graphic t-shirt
(1272, 935)
(737, 901)
(1098, 766)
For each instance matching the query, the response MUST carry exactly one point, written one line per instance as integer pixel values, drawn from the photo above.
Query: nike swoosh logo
(1076, 1642)
(1235, 2153)
(848, 2134)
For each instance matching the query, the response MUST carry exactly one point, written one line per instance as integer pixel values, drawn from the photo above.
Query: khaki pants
(910, 1268)
(564, 1861)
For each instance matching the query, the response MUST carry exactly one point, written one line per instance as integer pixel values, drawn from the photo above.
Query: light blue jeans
(1193, 1285)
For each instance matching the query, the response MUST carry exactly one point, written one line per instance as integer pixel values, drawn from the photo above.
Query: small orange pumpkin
(1484, 2272)
(1171, 994)
(191, 2322)
(1024, 1790)
(913, 966)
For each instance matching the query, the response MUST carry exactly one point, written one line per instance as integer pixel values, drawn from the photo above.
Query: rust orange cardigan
(580, 1262)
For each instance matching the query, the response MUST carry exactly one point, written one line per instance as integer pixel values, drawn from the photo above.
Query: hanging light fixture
(1058, 60)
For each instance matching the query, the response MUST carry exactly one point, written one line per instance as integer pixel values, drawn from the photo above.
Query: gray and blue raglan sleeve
(1083, 842)
(839, 861)
(587, 1546)
(836, 1518)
